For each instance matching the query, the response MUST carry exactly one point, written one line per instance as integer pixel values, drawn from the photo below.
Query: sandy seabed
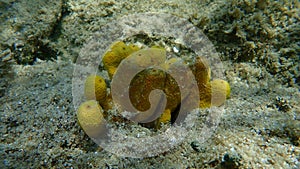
(259, 128)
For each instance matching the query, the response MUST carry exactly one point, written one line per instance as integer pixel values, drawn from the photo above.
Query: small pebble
(175, 49)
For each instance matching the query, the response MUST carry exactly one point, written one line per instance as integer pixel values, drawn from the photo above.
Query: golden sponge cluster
(91, 114)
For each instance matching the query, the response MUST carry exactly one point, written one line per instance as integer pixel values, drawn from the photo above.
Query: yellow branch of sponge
(90, 118)
(95, 89)
(118, 51)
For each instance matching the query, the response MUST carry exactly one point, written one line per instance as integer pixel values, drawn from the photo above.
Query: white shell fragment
(175, 49)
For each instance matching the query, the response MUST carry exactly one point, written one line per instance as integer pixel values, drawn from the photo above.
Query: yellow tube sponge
(205, 95)
(214, 93)
(164, 118)
(95, 89)
(220, 91)
(201, 71)
(211, 93)
(118, 51)
(90, 118)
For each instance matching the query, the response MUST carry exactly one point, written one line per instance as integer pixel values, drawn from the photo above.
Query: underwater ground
(258, 42)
